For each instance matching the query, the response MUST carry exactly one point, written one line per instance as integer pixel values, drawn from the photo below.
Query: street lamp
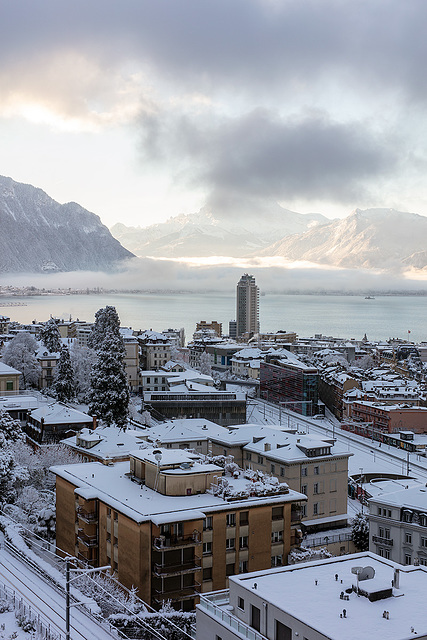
(68, 581)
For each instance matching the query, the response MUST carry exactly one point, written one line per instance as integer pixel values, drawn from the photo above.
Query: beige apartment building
(310, 464)
(9, 379)
(170, 525)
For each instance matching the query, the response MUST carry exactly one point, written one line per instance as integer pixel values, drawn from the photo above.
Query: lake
(341, 316)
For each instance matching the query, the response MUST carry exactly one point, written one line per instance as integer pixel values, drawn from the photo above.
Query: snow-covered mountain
(371, 239)
(221, 233)
(39, 234)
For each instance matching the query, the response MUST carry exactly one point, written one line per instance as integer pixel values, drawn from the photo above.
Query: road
(46, 600)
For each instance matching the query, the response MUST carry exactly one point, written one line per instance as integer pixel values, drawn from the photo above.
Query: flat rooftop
(113, 486)
(310, 593)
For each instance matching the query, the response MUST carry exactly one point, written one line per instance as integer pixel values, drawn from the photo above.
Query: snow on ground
(10, 629)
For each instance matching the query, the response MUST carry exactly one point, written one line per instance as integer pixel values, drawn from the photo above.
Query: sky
(142, 110)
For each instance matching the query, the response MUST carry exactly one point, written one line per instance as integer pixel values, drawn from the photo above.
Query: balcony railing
(160, 570)
(87, 516)
(209, 604)
(88, 541)
(165, 542)
(190, 591)
(379, 540)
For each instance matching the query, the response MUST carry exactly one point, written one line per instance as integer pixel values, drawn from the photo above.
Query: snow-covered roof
(110, 442)
(57, 412)
(310, 593)
(5, 370)
(183, 430)
(412, 497)
(111, 485)
(18, 402)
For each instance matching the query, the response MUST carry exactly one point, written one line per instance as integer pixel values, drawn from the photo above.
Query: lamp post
(68, 581)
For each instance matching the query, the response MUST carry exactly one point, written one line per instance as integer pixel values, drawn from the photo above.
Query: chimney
(396, 579)
(94, 421)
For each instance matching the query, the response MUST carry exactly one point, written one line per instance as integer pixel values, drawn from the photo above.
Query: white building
(346, 598)
(398, 522)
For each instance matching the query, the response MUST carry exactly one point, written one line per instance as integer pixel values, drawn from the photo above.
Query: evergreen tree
(360, 532)
(20, 353)
(109, 392)
(106, 320)
(50, 336)
(10, 432)
(63, 384)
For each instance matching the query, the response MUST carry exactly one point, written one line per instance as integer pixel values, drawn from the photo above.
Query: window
(248, 455)
(9, 385)
(388, 513)
(241, 603)
(277, 561)
(260, 460)
(316, 471)
(276, 536)
(272, 468)
(381, 532)
(116, 515)
(423, 561)
(408, 538)
(230, 520)
(304, 489)
(229, 569)
(208, 523)
(243, 566)
(379, 511)
(243, 542)
(244, 518)
(424, 542)
(207, 548)
(207, 573)
(108, 512)
(230, 543)
(282, 471)
(303, 471)
(316, 509)
(316, 487)
(408, 558)
(303, 510)
(277, 513)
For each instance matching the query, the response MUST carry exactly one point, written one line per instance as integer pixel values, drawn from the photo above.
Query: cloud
(263, 155)
(170, 275)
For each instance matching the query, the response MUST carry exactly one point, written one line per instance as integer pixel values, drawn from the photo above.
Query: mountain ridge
(41, 235)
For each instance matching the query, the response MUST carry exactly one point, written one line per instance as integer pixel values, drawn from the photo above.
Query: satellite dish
(367, 573)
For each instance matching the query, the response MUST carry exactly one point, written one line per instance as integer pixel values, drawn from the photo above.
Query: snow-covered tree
(63, 383)
(50, 336)
(205, 364)
(20, 353)
(106, 320)
(109, 392)
(82, 361)
(360, 531)
(10, 433)
(366, 362)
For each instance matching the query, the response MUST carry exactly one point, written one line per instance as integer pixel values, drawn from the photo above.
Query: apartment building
(247, 306)
(349, 598)
(170, 525)
(155, 349)
(390, 418)
(284, 378)
(398, 523)
(311, 464)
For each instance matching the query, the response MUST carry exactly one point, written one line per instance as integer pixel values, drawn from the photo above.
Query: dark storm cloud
(263, 155)
(243, 45)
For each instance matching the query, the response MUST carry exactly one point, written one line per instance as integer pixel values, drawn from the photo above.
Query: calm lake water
(342, 316)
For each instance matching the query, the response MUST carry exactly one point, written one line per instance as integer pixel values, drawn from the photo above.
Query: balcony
(88, 541)
(167, 542)
(162, 571)
(386, 541)
(190, 591)
(87, 516)
(214, 604)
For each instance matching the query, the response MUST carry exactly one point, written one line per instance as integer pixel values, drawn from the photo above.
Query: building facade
(247, 306)
(169, 525)
(284, 379)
